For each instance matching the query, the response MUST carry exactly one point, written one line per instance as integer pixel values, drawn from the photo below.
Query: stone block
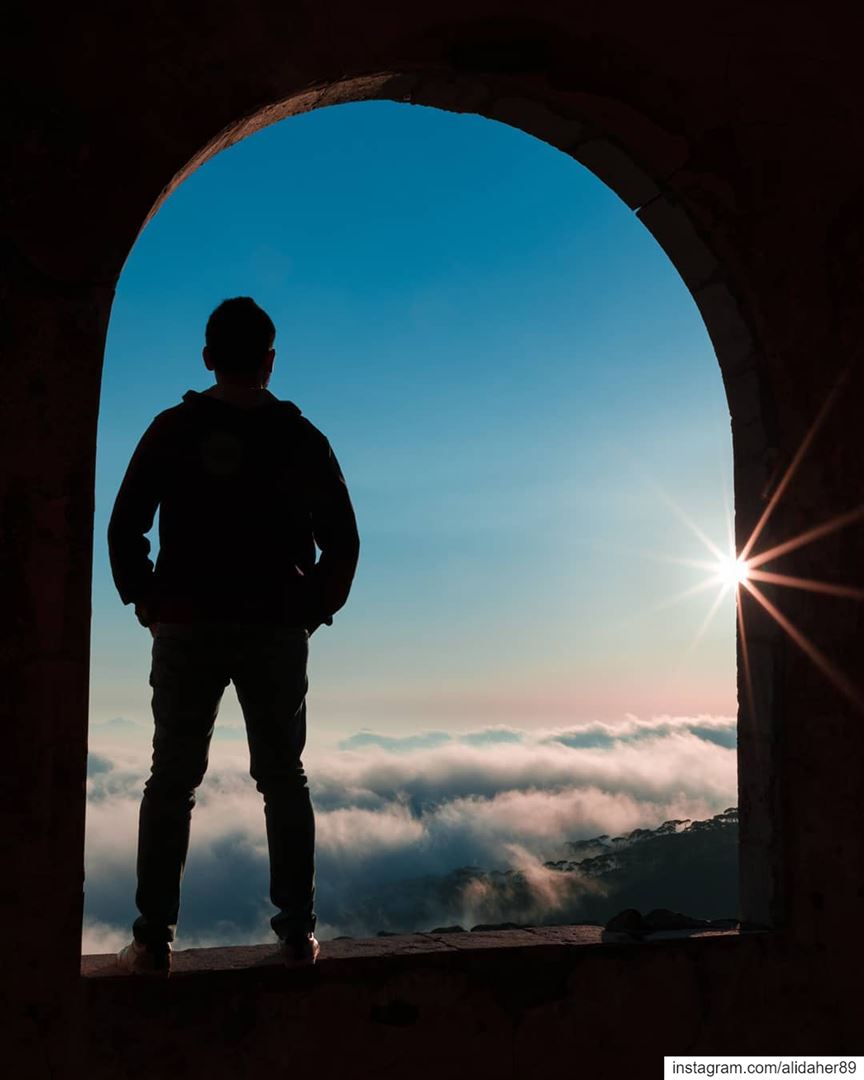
(671, 226)
(465, 95)
(491, 939)
(568, 935)
(532, 116)
(749, 441)
(745, 399)
(617, 169)
(729, 332)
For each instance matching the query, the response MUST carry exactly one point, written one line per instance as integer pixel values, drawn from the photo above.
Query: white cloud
(98, 937)
(393, 809)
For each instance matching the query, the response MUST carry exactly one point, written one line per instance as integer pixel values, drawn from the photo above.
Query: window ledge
(345, 953)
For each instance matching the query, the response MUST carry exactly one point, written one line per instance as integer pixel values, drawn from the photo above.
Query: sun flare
(732, 571)
(739, 574)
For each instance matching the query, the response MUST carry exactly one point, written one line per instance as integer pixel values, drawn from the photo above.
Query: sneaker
(140, 959)
(300, 951)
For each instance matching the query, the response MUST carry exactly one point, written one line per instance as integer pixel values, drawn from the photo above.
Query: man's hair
(238, 335)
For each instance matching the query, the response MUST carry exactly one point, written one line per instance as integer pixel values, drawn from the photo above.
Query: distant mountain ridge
(691, 866)
(683, 865)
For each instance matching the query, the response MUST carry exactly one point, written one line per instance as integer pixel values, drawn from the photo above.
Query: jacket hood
(199, 400)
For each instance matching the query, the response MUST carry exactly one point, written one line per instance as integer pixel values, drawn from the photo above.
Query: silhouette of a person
(248, 493)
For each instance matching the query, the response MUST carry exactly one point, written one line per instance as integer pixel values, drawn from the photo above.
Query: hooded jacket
(245, 497)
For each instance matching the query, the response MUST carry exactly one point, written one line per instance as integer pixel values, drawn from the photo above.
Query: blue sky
(509, 370)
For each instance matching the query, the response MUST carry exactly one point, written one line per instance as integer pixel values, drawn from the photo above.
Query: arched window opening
(529, 703)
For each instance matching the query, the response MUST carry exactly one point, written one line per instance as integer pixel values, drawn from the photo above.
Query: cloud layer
(401, 820)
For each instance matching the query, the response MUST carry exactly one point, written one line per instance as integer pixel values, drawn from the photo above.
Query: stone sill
(340, 957)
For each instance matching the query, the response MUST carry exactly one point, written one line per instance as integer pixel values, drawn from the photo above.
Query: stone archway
(679, 123)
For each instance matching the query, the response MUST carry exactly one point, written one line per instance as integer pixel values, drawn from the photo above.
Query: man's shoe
(140, 959)
(299, 951)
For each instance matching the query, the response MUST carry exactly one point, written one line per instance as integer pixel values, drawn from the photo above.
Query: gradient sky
(510, 371)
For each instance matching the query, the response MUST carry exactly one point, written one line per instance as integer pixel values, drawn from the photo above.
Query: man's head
(239, 342)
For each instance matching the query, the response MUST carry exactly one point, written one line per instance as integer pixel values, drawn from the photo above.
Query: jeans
(192, 665)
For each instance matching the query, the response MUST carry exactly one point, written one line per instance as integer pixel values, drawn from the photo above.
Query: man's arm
(132, 517)
(335, 530)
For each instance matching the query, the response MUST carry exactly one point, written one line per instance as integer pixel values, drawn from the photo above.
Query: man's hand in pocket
(144, 616)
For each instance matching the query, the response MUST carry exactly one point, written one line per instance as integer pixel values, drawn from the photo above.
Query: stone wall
(735, 131)
(503, 1006)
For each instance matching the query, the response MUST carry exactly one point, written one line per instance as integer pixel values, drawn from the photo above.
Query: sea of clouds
(397, 815)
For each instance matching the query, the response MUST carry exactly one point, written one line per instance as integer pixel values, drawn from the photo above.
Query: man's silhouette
(246, 489)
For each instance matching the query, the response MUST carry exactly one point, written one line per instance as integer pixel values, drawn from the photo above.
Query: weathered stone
(491, 939)
(539, 120)
(731, 336)
(673, 229)
(617, 169)
(664, 919)
(104, 115)
(629, 921)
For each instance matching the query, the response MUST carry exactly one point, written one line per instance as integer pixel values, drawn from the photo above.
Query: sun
(744, 573)
(747, 572)
(732, 571)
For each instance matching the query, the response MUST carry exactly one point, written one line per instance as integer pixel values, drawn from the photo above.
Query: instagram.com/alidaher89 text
(780, 1065)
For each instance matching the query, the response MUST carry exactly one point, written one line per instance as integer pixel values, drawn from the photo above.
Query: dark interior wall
(468, 1010)
(733, 129)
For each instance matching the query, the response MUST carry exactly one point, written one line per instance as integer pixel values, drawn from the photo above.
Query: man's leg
(188, 677)
(269, 673)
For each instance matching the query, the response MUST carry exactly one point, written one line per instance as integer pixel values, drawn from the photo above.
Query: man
(247, 489)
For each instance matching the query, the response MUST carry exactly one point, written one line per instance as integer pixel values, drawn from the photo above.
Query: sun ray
(652, 556)
(662, 557)
(690, 523)
(834, 675)
(722, 593)
(745, 656)
(694, 590)
(792, 468)
(809, 584)
(735, 569)
(807, 537)
(697, 564)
